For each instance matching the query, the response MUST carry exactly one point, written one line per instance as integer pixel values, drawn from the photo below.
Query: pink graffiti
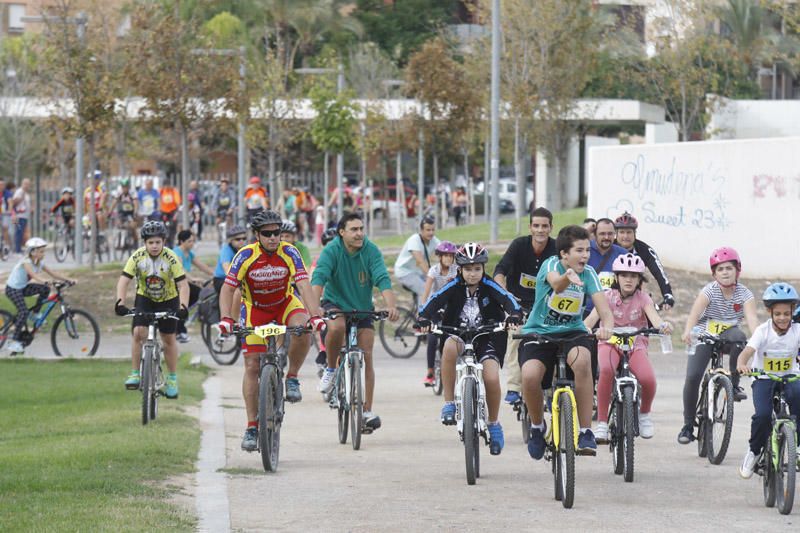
(765, 185)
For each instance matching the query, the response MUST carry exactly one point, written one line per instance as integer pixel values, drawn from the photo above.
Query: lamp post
(400, 187)
(495, 124)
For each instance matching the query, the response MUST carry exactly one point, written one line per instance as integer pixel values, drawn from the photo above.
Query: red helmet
(255, 180)
(723, 255)
(628, 263)
(626, 221)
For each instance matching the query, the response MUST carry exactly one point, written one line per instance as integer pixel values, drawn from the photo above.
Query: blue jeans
(19, 233)
(762, 419)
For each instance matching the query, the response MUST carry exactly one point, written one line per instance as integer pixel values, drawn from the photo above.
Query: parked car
(508, 191)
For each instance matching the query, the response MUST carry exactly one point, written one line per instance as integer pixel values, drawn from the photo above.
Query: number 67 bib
(568, 302)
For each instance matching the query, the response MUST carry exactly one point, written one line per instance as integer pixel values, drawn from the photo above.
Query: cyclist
(473, 298)
(289, 234)
(65, 207)
(264, 272)
(773, 347)
(722, 304)
(517, 271)
(626, 226)
(322, 356)
(126, 206)
(97, 191)
(26, 280)
(563, 283)
(631, 307)
(237, 237)
(196, 206)
(160, 286)
(438, 276)
(223, 203)
(255, 198)
(186, 241)
(414, 260)
(148, 201)
(170, 203)
(348, 268)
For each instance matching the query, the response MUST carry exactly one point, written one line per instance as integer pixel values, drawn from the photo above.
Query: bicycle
(64, 242)
(436, 386)
(347, 395)
(151, 380)
(399, 338)
(623, 411)
(124, 237)
(270, 386)
(777, 463)
(75, 332)
(714, 419)
(470, 394)
(562, 433)
(224, 349)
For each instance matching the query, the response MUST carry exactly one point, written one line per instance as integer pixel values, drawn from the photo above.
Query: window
(15, 14)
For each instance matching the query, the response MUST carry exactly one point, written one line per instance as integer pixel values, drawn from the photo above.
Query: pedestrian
(21, 203)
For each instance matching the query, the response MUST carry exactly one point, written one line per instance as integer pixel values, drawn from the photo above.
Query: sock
(540, 427)
(449, 403)
(495, 423)
(290, 376)
(330, 370)
(584, 430)
(172, 375)
(252, 424)
(134, 372)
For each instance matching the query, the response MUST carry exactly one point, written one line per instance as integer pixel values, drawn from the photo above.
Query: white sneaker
(326, 383)
(601, 433)
(646, 427)
(748, 463)
(15, 347)
(182, 338)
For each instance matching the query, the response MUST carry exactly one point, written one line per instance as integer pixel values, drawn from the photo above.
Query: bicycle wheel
(556, 467)
(787, 466)
(224, 350)
(147, 382)
(269, 424)
(702, 419)
(158, 383)
(343, 409)
(437, 374)
(75, 333)
(525, 420)
(629, 421)
(356, 401)
(616, 436)
(398, 338)
(469, 398)
(61, 246)
(718, 429)
(566, 451)
(6, 323)
(769, 475)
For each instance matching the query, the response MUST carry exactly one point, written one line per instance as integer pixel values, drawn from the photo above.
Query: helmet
(153, 228)
(255, 180)
(125, 182)
(329, 235)
(628, 263)
(262, 218)
(446, 247)
(626, 221)
(287, 226)
(97, 174)
(723, 255)
(34, 243)
(778, 293)
(471, 253)
(233, 231)
(66, 190)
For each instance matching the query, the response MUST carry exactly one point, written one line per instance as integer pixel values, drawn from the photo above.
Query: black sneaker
(739, 394)
(686, 435)
(371, 422)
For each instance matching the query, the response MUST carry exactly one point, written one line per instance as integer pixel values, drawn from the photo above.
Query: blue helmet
(780, 293)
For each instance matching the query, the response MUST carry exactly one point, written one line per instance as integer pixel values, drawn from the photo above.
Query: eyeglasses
(270, 233)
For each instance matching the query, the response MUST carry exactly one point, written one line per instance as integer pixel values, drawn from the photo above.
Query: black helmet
(471, 253)
(329, 235)
(233, 231)
(153, 228)
(262, 218)
(287, 226)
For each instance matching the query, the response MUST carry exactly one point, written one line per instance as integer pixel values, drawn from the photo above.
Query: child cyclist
(631, 307)
(438, 276)
(26, 280)
(471, 299)
(562, 285)
(718, 309)
(773, 348)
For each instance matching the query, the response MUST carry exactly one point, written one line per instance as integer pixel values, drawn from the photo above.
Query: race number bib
(224, 201)
(270, 330)
(606, 279)
(778, 362)
(569, 302)
(527, 281)
(167, 198)
(617, 341)
(718, 327)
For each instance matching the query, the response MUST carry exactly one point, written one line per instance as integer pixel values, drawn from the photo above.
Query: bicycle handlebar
(472, 333)
(270, 330)
(375, 315)
(152, 316)
(58, 285)
(544, 338)
(627, 332)
(787, 378)
(710, 338)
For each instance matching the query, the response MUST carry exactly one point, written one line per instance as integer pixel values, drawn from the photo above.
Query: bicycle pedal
(366, 430)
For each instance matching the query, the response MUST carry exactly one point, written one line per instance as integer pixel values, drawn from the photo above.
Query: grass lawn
(74, 455)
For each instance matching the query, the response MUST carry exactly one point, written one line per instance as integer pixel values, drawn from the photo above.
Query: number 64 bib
(568, 302)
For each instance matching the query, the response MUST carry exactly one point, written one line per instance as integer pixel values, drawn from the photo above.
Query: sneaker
(371, 422)
(171, 390)
(536, 444)
(15, 347)
(182, 338)
(587, 445)
(326, 382)
(321, 369)
(748, 463)
(512, 397)
(496, 440)
(646, 427)
(250, 440)
(428, 381)
(448, 417)
(686, 435)
(601, 433)
(293, 394)
(322, 359)
(132, 383)
(739, 395)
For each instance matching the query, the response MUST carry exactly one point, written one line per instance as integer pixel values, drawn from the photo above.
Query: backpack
(208, 302)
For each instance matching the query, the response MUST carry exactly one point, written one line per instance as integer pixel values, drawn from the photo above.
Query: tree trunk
(326, 189)
(95, 226)
(184, 176)
(518, 175)
(435, 191)
(400, 193)
(274, 195)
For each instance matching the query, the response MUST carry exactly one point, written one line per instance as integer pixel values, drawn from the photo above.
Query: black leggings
(696, 367)
(433, 346)
(17, 297)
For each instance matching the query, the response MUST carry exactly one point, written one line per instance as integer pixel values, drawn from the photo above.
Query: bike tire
(787, 466)
(768, 479)
(75, 333)
(525, 421)
(399, 338)
(616, 434)
(158, 382)
(556, 467)
(566, 451)
(702, 418)
(224, 356)
(629, 425)
(469, 398)
(146, 382)
(269, 428)
(343, 409)
(718, 431)
(356, 402)
(6, 323)
(61, 247)
(437, 374)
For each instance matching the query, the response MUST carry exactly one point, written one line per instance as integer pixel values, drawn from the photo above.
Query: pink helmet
(723, 255)
(628, 263)
(446, 247)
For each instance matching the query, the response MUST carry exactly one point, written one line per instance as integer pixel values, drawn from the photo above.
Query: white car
(508, 191)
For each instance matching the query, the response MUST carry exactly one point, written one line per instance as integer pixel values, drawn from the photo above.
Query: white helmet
(34, 243)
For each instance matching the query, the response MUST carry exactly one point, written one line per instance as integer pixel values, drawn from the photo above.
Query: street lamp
(495, 124)
(400, 188)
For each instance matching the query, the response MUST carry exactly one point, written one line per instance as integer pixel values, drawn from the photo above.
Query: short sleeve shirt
(266, 278)
(148, 201)
(406, 264)
(156, 277)
(629, 311)
(225, 256)
(186, 259)
(19, 278)
(775, 353)
(560, 312)
(440, 278)
(722, 312)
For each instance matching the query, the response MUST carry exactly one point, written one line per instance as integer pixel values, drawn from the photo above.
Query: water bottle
(693, 336)
(666, 343)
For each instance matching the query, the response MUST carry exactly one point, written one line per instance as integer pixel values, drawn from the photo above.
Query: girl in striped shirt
(438, 276)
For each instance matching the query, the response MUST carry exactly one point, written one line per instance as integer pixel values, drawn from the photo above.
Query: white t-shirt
(775, 353)
(22, 208)
(406, 264)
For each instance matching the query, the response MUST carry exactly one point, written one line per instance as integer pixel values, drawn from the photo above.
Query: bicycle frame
(563, 386)
(467, 368)
(713, 374)
(346, 364)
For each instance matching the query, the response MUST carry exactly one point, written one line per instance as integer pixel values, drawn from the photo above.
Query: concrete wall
(753, 119)
(693, 197)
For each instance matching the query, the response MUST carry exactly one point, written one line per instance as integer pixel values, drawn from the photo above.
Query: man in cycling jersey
(170, 202)
(126, 205)
(160, 286)
(255, 198)
(414, 261)
(348, 268)
(223, 203)
(264, 272)
(626, 226)
(65, 207)
(98, 192)
(196, 206)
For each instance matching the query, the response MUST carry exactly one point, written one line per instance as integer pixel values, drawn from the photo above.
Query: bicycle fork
(467, 369)
(556, 412)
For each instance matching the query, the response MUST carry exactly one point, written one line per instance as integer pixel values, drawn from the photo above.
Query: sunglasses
(270, 233)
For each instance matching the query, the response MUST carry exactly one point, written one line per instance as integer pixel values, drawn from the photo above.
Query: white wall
(660, 133)
(693, 197)
(753, 119)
